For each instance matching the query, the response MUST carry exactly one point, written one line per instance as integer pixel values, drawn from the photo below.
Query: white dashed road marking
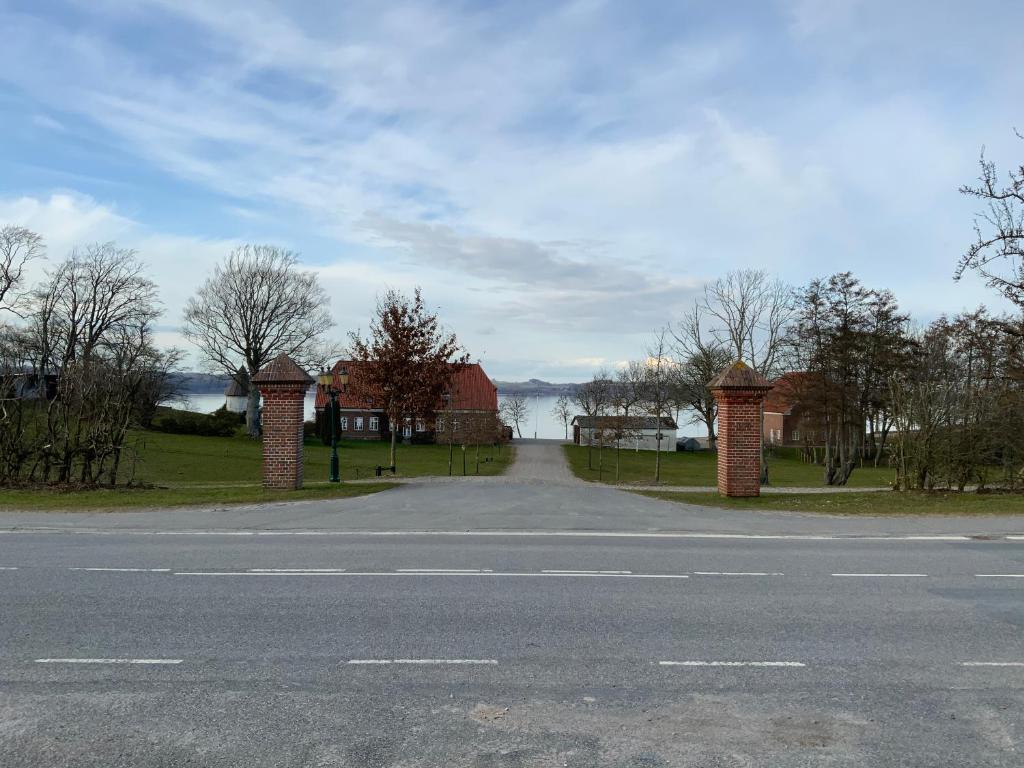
(992, 663)
(125, 570)
(737, 573)
(999, 575)
(731, 664)
(895, 575)
(489, 662)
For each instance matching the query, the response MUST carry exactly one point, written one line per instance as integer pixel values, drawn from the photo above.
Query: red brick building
(788, 421)
(475, 399)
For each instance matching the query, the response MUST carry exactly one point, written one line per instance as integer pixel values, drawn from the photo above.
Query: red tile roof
(474, 391)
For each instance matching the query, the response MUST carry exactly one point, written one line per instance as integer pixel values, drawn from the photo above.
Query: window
(407, 428)
(421, 425)
(374, 424)
(439, 426)
(344, 423)
(796, 435)
(359, 423)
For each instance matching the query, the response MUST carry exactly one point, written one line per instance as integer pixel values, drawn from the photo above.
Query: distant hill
(535, 387)
(195, 383)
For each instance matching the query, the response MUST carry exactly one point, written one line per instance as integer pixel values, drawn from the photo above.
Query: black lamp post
(327, 382)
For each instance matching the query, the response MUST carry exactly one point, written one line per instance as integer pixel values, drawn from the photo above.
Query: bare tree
(256, 305)
(82, 370)
(409, 360)
(658, 385)
(594, 399)
(18, 246)
(515, 409)
(752, 310)
(997, 253)
(701, 356)
(563, 411)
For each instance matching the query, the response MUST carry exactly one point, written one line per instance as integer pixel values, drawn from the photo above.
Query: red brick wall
(739, 444)
(282, 435)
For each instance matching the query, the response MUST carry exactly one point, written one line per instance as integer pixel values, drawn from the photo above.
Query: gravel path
(541, 461)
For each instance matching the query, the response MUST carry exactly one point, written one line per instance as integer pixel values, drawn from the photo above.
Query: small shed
(236, 395)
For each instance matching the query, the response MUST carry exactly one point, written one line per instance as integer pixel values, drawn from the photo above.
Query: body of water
(540, 422)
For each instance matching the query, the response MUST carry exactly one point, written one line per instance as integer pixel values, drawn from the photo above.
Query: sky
(561, 179)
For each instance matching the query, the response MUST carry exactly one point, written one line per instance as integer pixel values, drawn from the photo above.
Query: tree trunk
(252, 412)
(394, 443)
(478, 458)
(657, 454)
(711, 434)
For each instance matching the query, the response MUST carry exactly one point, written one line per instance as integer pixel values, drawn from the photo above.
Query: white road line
(296, 570)
(999, 575)
(554, 570)
(423, 574)
(512, 534)
(731, 664)
(125, 570)
(444, 570)
(737, 573)
(8, 567)
(489, 662)
(992, 663)
(108, 661)
(897, 575)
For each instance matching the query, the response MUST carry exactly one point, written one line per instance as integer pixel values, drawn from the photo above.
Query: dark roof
(474, 391)
(619, 422)
(282, 370)
(739, 375)
(788, 390)
(238, 386)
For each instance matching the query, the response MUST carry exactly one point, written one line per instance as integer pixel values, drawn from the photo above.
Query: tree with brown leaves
(408, 359)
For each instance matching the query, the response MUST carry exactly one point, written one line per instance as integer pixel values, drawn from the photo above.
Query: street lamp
(327, 382)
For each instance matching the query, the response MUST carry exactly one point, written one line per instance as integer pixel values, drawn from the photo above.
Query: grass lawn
(188, 469)
(699, 468)
(136, 498)
(865, 503)
(166, 459)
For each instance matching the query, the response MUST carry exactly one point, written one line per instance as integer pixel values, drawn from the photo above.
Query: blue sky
(561, 178)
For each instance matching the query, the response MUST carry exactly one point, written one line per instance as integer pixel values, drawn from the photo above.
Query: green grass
(141, 498)
(188, 469)
(864, 503)
(699, 469)
(165, 458)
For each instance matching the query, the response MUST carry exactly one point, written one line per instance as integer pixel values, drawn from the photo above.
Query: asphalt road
(500, 650)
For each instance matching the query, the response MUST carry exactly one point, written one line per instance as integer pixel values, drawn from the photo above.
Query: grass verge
(140, 498)
(865, 503)
(699, 469)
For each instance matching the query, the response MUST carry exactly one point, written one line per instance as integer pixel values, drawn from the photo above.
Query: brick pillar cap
(739, 375)
(282, 370)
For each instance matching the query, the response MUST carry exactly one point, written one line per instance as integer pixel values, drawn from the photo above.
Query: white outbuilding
(236, 395)
(641, 433)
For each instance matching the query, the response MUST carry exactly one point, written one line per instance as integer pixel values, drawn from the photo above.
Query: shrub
(220, 423)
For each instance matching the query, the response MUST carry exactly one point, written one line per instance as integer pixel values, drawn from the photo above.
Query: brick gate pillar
(283, 386)
(739, 391)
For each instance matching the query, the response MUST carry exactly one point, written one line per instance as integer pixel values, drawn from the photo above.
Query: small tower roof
(282, 370)
(739, 375)
(238, 386)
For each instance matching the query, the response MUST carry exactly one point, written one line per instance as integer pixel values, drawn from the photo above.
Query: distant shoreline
(194, 383)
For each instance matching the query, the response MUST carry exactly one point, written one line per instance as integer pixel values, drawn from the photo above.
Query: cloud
(562, 176)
